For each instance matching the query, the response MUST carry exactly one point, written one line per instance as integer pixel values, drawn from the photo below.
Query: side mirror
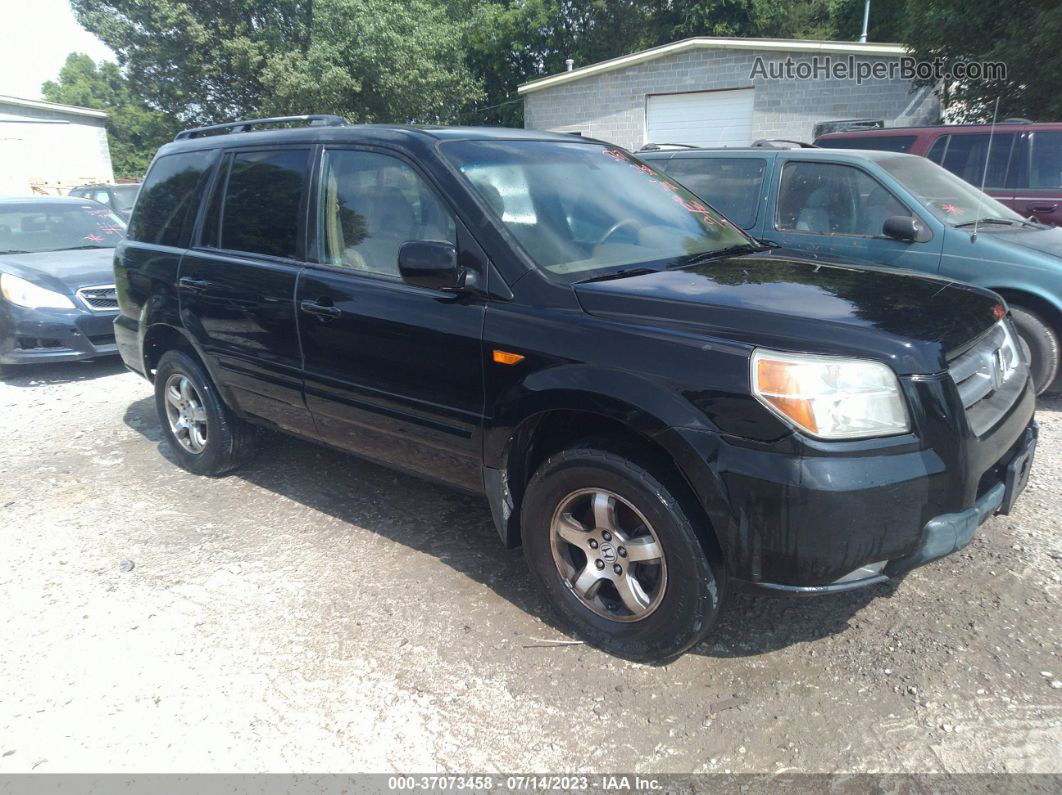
(903, 227)
(430, 263)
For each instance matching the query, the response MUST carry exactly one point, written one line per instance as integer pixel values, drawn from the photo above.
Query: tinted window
(964, 156)
(879, 143)
(731, 185)
(831, 199)
(371, 205)
(167, 208)
(263, 197)
(936, 152)
(1046, 167)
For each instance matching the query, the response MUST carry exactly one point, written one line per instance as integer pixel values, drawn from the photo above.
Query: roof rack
(651, 147)
(312, 120)
(781, 143)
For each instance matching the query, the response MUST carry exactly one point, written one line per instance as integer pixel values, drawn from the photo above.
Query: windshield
(951, 199)
(123, 196)
(578, 209)
(52, 226)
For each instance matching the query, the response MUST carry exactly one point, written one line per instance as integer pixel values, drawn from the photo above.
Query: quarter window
(168, 201)
(731, 185)
(371, 204)
(833, 199)
(263, 198)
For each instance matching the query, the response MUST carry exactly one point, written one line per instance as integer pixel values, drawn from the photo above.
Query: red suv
(1024, 168)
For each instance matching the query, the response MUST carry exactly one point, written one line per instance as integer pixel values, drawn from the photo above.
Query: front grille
(990, 377)
(99, 299)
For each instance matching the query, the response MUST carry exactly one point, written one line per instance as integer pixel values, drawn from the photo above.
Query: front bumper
(800, 516)
(42, 335)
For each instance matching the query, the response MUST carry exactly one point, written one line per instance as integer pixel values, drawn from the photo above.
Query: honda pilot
(655, 409)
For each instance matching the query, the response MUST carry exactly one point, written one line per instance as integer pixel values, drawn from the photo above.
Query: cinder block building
(729, 92)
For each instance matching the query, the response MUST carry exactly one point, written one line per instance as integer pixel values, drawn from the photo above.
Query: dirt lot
(314, 612)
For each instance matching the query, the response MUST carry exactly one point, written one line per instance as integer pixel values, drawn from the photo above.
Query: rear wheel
(1042, 342)
(617, 554)
(204, 434)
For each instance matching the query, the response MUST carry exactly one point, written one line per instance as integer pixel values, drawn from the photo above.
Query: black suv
(653, 405)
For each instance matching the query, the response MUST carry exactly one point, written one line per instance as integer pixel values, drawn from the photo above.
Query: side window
(169, 198)
(833, 199)
(370, 205)
(939, 148)
(731, 185)
(878, 143)
(965, 157)
(1046, 166)
(102, 197)
(260, 213)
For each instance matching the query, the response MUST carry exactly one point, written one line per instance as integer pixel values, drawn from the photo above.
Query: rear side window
(731, 185)
(878, 143)
(169, 198)
(264, 197)
(966, 155)
(1046, 166)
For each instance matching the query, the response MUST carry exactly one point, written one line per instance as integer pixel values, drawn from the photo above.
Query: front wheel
(1042, 342)
(618, 556)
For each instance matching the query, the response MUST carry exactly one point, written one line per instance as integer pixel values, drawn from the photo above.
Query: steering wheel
(615, 228)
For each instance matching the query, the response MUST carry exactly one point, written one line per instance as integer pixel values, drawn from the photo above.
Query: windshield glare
(579, 208)
(951, 199)
(45, 226)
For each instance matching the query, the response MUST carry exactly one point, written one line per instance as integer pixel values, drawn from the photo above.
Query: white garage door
(702, 118)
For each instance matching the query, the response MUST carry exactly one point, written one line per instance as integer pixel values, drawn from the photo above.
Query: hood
(68, 269)
(1044, 241)
(912, 321)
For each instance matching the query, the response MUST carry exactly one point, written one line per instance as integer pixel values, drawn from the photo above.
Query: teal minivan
(887, 209)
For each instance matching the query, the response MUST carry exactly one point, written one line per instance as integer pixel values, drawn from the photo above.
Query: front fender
(663, 418)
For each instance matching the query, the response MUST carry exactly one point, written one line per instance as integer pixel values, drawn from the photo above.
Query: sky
(36, 37)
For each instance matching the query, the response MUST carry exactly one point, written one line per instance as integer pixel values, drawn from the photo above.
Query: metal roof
(710, 43)
(39, 104)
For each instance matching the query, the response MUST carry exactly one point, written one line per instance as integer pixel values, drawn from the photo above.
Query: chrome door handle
(323, 311)
(199, 285)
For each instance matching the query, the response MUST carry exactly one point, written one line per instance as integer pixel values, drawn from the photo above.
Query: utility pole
(866, 19)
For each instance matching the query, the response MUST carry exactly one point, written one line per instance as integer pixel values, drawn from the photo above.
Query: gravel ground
(317, 613)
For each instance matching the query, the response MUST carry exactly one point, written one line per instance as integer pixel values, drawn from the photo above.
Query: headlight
(24, 293)
(829, 396)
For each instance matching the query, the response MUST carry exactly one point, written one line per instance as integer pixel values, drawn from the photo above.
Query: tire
(1042, 342)
(213, 445)
(681, 596)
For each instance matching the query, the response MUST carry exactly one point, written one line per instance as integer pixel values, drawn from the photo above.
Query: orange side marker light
(505, 357)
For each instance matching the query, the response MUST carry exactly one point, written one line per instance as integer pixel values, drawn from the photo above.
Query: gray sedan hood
(70, 269)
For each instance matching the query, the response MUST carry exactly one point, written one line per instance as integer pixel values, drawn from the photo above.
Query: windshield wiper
(729, 251)
(14, 251)
(979, 221)
(79, 248)
(620, 274)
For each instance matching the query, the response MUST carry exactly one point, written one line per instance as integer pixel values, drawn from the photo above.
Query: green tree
(213, 60)
(134, 131)
(1024, 35)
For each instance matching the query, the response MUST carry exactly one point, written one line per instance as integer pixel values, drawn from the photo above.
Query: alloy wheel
(186, 413)
(608, 554)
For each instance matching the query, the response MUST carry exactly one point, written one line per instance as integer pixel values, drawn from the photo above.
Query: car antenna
(984, 173)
